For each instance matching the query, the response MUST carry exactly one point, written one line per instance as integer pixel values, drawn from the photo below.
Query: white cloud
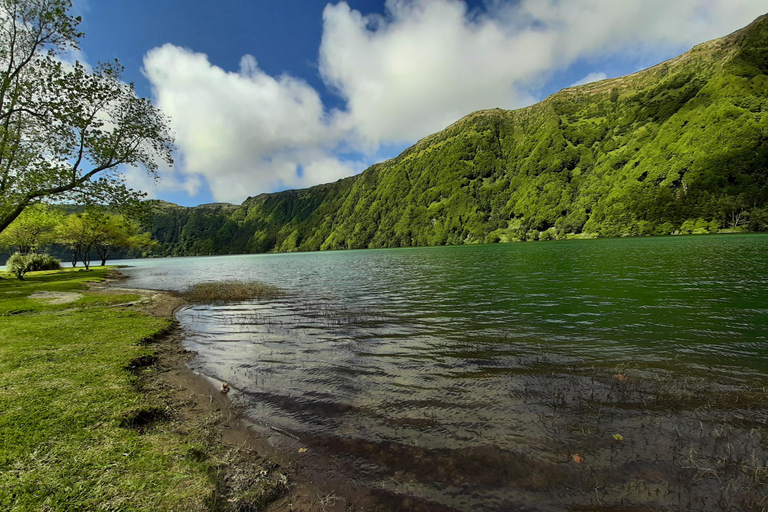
(429, 62)
(592, 77)
(170, 180)
(244, 132)
(404, 75)
(424, 66)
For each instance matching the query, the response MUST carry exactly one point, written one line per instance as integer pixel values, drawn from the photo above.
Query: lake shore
(312, 483)
(639, 371)
(98, 395)
(100, 411)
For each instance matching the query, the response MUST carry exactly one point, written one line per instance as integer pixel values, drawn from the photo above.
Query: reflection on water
(495, 377)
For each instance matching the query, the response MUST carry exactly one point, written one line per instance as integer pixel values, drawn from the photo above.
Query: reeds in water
(229, 291)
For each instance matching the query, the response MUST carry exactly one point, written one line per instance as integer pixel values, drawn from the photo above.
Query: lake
(530, 376)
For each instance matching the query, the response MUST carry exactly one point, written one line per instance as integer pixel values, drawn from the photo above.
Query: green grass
(78, 432)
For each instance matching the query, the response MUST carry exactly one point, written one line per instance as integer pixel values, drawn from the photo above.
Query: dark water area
(625, 374)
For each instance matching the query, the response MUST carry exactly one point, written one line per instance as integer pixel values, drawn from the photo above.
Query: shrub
(550, 234)
(688, 227)
(44, 262)
(19, 264)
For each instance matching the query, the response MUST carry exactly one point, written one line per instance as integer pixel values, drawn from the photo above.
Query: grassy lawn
(77, 432)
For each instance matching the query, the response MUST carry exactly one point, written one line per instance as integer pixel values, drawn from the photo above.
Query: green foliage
(679, 147)
(63, 128)
(34, 228)
(20, 264)
(101, 231)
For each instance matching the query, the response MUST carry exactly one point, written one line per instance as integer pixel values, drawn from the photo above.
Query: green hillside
(679, 147)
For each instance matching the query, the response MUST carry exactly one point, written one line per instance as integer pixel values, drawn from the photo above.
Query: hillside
(678, 147)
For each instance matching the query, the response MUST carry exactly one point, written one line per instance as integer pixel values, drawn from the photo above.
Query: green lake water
(475, 377)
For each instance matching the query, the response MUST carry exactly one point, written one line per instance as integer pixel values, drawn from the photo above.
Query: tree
(65, 131)
(73, 232)
(102, 232)
(34, 228)
(117, 232)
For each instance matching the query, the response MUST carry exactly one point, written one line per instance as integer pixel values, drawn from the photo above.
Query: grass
(82, 426)
(229, 291)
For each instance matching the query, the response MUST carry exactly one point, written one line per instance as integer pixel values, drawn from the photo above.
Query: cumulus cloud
(426, 63)
(170, 179)
(414, 70)
(592, 77)
(243, 132)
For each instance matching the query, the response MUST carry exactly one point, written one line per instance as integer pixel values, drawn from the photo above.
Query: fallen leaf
(621, 378)
(618, 437)
(302, 450)
(578, 459)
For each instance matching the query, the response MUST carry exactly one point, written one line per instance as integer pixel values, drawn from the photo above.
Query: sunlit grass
(86, 421)
(65, 394)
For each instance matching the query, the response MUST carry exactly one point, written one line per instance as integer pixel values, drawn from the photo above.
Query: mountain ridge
(680, 142)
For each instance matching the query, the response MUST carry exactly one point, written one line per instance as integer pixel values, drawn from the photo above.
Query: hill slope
(677, 147)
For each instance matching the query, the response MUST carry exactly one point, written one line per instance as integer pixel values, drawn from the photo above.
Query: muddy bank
(295, 478)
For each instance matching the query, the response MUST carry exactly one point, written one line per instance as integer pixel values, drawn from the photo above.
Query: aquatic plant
(229, 291)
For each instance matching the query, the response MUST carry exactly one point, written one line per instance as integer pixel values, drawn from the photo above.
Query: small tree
(118, 232)
(99, 231)
(34, 228)
(80, 232)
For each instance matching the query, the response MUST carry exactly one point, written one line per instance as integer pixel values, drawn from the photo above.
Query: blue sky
(270, 95)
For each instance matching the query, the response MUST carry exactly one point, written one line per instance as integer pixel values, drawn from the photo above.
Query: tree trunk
(86, 257)
(6, 220)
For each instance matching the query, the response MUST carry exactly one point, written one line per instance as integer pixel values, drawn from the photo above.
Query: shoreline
(310, 480)
(640, 435)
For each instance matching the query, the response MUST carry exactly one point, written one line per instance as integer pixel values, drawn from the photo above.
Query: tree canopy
(65, 131)
(34, 228)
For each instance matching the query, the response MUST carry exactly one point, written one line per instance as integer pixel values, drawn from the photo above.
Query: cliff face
(679, 146)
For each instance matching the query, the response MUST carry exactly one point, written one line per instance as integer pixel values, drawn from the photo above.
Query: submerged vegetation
(645, 439)
(229, 291)
(677, 148)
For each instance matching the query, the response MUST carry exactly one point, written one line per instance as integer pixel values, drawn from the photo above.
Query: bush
(19, 264)
(550, 234)
(688, 227)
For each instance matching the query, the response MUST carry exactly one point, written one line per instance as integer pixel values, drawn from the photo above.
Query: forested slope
(679, 147)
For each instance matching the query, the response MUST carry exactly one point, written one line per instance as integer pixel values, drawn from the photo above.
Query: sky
(269, 95)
